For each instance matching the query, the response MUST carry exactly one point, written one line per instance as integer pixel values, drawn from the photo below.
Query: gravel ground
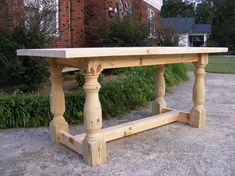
(172, 150)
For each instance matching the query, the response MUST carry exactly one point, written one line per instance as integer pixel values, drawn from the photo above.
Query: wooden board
(112, 133)
(182, 117)
(128, 61)
(130, 128)
(69, 141)
(116, 51)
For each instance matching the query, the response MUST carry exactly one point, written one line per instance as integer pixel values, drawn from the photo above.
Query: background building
(74, 21)
(190, 34)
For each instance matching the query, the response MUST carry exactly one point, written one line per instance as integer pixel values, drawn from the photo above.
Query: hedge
(131, 89)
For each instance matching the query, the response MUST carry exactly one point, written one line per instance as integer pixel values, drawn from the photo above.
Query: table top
(116, 51)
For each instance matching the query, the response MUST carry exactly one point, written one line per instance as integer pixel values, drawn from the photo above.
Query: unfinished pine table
(91, 61)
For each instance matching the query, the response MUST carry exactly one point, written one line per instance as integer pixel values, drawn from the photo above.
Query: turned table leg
(57, 102)
(94, 146)
(198, 112)
(159, 86)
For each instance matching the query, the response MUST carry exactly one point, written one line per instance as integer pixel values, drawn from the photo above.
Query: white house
(190, 34)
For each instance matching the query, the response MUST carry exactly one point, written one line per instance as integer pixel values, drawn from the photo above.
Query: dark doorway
(196, 40)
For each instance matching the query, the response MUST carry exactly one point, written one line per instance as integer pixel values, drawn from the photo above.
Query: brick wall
(10, 12)
(2, 11)
(77, 23)
(64, 38)
(71, 21)
(78, 19)
(140, 10)
(96, 10)
(71, 24)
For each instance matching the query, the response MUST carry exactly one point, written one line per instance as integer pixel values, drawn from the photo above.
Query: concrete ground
(172, 150)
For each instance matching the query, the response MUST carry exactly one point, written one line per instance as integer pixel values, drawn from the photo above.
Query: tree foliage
(168, 37)
(204, 12)
(223, 24)
(123, 32)
(31, 29)
(219, 13)
(177, 8)
(20, 73)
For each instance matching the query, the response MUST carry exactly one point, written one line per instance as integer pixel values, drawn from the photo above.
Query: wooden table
(91, 61)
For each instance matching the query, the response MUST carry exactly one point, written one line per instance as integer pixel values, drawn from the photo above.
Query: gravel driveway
(172, 150)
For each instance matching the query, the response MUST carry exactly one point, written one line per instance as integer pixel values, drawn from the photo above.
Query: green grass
(218, 64)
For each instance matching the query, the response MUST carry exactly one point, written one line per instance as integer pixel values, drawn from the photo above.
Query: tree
(168, 37)
(32, 29)
(177, 8)
(204, 12)
(219, 13)
(122, 32)
(223, 24)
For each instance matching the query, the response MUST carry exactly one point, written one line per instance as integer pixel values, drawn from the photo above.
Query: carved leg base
(56, 126)
(198, 118)
(159, 91)
(94, 152)
(157, 107)
(198, 112)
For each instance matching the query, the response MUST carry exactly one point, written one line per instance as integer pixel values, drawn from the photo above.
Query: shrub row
(131, 89)
(17, 72)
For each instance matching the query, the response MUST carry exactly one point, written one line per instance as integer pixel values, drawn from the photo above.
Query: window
(152, 23)
(43, 13)
(123, 8)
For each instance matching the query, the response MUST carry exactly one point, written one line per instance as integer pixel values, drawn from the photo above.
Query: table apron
(127, 61)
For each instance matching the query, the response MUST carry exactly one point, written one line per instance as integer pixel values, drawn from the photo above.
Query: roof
(202, 28)
(184, 25)
(155, 3)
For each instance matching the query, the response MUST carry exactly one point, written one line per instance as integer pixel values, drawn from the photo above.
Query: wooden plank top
(116, 51)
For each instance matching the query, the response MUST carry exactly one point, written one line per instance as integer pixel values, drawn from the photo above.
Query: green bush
(125, 93)
(80, 79)
(174, 73)
(131, 89)
(30, 30)
(21, 110)
(124, 32)
(21, 73)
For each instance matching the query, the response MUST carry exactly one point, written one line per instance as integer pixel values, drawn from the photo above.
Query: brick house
(74, 20)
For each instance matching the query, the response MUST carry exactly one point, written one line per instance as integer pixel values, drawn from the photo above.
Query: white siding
(184, 40)
(155, 3)
(205, 39)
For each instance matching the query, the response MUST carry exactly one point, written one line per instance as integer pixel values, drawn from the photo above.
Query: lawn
(218, 64)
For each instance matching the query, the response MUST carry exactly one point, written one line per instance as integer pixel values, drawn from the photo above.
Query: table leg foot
(94, 152)
(56, 126)
(158, 107)
(198, 118)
